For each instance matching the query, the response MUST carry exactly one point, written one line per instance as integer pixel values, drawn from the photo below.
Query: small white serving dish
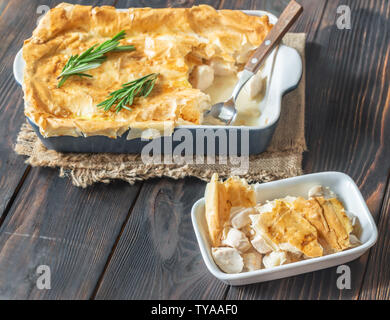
(345, 189)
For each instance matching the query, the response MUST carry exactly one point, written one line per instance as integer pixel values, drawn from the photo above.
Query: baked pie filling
(198, 53)
(247, 236)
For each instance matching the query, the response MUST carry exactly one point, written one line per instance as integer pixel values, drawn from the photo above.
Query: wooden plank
(51, 222)
(347, 122)
(3, 6)
(157, 256)
(12, 167)
(274, 6)
(16, 24)
(170, 266)
(377, 276)
(163, 3)
(69, 229)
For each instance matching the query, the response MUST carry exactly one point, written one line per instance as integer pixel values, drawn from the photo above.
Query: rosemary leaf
(92, 58)
(124, 97)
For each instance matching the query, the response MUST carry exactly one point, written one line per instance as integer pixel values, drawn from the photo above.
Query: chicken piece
(356, 226)
(289, 248)
(354, 241)
(252, 261)
(241, 218)
(274, 259)
(237, 239)
(202, 77)
(261, 245)
(222, 68)
(267, 207)
(228, 259)
(255, 85)
(245, 52)
(261, 242)
(249, 232)
(352, 218)
(320, 191)
(294, 257)
(316, 191)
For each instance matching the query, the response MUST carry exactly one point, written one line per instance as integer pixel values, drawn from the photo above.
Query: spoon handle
(289, 15)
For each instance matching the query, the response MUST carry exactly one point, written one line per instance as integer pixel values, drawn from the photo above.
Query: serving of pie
(246, 236)
(189, 49)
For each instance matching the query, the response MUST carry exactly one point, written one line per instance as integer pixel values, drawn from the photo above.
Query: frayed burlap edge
(85, 169)
(283, 158)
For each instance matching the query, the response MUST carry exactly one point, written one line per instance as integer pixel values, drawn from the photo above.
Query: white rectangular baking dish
(346, 190)
(283, 69)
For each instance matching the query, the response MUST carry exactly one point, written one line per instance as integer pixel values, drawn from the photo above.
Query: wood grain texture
(50, 222)
(286, 19)
(19, 17)
(12, 167)
(347, 122)
(69, 229)
(157, 256)
(377, 277)
(97, 249)
(163, 3)
(3, 5)
(17, 20)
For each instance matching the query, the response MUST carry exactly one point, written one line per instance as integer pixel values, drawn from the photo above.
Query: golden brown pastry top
(284, 225)
(168, 41)
(220, 197)
(329, 218)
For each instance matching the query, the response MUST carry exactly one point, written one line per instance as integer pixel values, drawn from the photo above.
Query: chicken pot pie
(247, 236)
(187, 47)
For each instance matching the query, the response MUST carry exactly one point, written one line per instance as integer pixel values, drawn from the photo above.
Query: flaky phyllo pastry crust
(167, 41)
(301, 228)
(220, 197)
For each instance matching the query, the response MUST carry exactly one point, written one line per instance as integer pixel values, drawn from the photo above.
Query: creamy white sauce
(248, 110)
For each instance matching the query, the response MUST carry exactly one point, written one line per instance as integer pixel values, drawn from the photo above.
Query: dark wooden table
(120, 241)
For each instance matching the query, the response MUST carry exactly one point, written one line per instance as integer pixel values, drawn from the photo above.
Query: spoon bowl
(222, 113)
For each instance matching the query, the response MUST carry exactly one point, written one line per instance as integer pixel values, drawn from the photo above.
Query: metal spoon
(226, 112)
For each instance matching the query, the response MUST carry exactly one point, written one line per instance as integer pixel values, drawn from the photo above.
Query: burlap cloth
(282, 159)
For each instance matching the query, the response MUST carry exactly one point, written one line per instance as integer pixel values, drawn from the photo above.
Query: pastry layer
(284, 225)
(220, 197)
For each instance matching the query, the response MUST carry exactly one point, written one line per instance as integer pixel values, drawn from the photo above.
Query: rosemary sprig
(92, 58)
(124, 97)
